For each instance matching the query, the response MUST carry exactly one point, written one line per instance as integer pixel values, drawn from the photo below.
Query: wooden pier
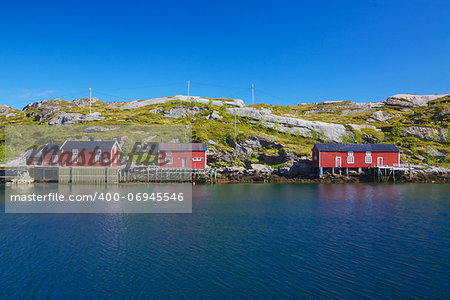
(111, 175)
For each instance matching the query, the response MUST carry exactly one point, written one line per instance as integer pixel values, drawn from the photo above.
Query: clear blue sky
(293, 51)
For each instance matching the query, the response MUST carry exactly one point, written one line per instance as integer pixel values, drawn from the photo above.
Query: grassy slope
(222, 131)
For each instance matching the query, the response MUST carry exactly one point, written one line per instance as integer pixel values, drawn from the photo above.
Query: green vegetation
(222, 131)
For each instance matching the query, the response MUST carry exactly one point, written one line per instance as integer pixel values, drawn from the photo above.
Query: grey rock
(39, 104)
(436, 153)
(380, 116)
(426, 133)
(10, 115)
(407, 100)
(233, 169)
(258, 168)
(214, 116)
(182, 112)
(63, 118)
(332, 132)
(361, 126)
(5, 110)
(212, 143)
(301, 168)
(82, 102)
(140, 103)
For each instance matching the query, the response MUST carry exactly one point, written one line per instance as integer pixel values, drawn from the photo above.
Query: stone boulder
(258, 168)
(407, 100)
(380, 116)
(301, 168)
(284, 156)
(214, 116)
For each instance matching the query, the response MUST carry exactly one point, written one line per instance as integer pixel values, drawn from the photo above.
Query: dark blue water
(255, 241)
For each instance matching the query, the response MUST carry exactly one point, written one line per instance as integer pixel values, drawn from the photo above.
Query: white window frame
(98, 151)
(74, 156)
(368, 153)
(350, 153)
(350, 159)
(54, 158)
(168, 153)
(169, 160)
(368, 159)
(197, 159)
(97, 158)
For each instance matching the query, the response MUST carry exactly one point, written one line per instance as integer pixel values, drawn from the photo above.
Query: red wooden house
(355, 156)
(182, 155)
(76, 154)
(89, 153)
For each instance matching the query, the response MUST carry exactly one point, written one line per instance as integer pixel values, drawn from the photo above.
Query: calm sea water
(246, 241)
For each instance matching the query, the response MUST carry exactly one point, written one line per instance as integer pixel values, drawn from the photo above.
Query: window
(350, 159)
(54, 159)
(196, 159)
(350, 153)
(168, 153)
(169, 160)
(368, 159)
(97, 158)
(75, 156)
(98, 151)
(368, 153)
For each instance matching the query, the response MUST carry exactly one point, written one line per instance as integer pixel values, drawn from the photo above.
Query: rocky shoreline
(262, 174)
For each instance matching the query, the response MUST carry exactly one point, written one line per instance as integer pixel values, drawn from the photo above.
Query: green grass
(222, 131)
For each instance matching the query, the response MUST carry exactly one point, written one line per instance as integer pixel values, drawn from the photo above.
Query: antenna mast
(253, 93)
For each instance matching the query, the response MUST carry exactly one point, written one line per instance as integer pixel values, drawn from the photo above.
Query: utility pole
(189, 83)
(90, 96)
(253, 93)
(235, 134)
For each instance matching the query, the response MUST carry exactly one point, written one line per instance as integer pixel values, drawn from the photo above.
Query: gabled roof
(357, 147)
(88, 145)
(182, 147)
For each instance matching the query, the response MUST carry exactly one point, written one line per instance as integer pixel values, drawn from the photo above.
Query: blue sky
(293, 51)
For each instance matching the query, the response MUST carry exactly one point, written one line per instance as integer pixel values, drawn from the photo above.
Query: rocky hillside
(270, 135)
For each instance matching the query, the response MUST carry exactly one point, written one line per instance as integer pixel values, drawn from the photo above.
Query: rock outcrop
(407, 100)
(330, 131)
(63, 118)
(426, 133)
(82, 102)
(192, 99)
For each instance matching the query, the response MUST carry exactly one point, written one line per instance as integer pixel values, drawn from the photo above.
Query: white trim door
(379, 161)
(338, 162)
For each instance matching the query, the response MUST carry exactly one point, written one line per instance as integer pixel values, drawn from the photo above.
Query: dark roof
(182, 147)
(357, 147)
(51, 148)
(38, 153)
(33, 153)
(104, 145)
